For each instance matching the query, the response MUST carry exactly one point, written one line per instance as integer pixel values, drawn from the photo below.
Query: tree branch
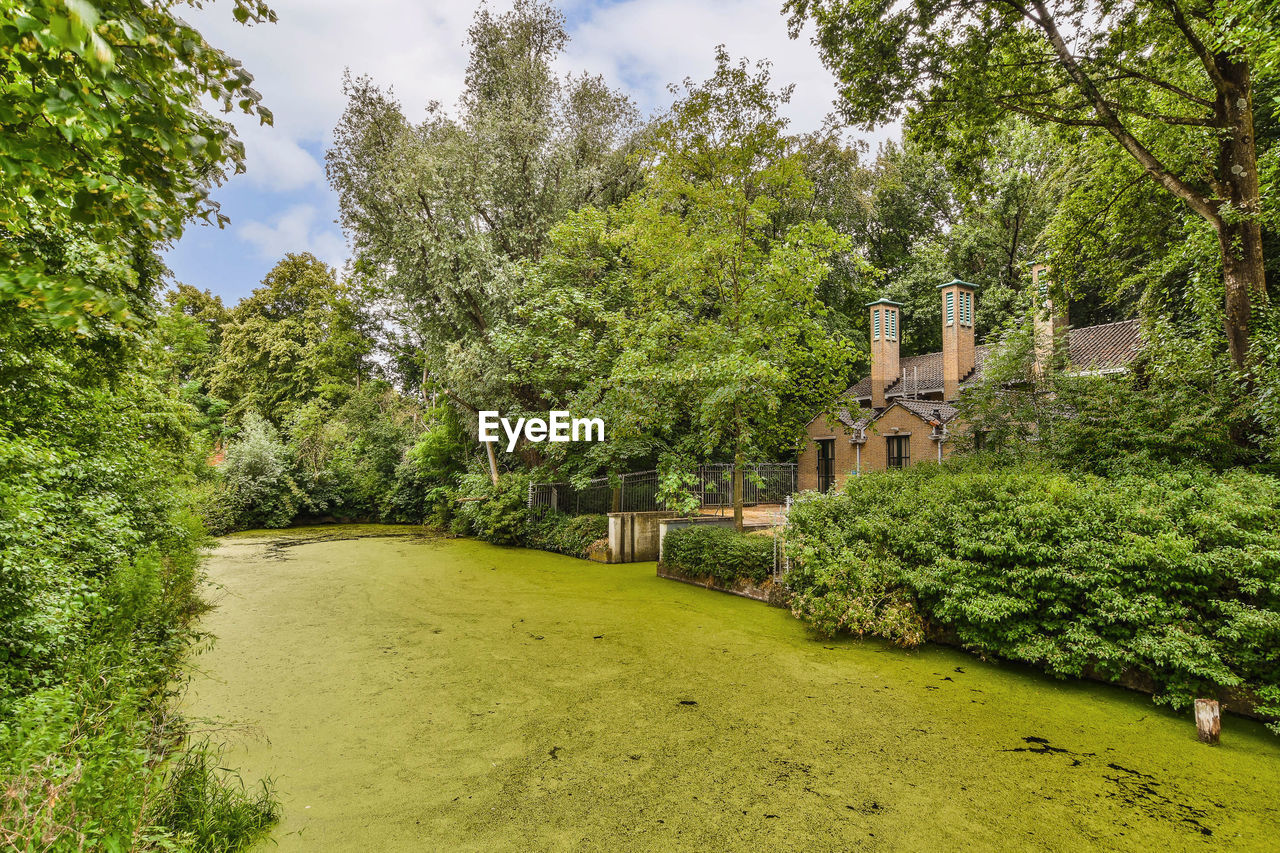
(1188, 121)
(1133, 73)
(1112, 124)
(1201, 51)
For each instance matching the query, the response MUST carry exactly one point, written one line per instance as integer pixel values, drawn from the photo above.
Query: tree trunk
(493, 462)
(1208, 721)
(737, 491)
(1239, 229)
(1245, 282)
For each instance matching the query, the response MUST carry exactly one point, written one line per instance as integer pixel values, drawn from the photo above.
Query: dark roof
(933, 411)
(1107, 347)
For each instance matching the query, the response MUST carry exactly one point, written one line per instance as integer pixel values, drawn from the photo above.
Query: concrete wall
(770, 592)
(634, 536)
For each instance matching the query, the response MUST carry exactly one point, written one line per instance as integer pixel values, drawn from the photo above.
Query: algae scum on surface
(411, 693)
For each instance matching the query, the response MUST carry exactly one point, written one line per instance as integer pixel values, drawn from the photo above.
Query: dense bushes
(98, 579)
(721, 552)
(1171, 573)
(566, 534)
(495, 513)
(95, 760)
(257, 488)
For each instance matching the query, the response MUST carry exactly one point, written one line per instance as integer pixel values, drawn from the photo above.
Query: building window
(826, 464)
(875, 323)
(951, 307)
(891, 317)
(899, 451)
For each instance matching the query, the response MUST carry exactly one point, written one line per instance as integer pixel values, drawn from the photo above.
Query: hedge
(566, 534)
(1173, 574)
(720, 552)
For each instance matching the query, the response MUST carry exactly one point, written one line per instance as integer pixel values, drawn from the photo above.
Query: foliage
(1170, 87)
(94, 760)
(676, 486)
(299, 337)
(729, 330)
(495, 513)
(1170, 573)
(442, 213)
(75, 77)
(566, 534)
(700, 550)
(258, 485)
(422, 491)
(1177, 405)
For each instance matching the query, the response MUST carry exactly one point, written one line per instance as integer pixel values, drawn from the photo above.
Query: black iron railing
(637, 491)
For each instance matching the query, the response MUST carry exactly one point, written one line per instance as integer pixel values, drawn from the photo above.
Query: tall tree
(1169, 82)
(298, 337)
(728, 327)
(441, 214)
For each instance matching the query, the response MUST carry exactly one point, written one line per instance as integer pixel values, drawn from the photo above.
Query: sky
(283, 203)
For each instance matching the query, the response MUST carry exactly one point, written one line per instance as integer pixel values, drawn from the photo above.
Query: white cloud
(652, 43)
(418, 49)
(276, 162)
(297, 229)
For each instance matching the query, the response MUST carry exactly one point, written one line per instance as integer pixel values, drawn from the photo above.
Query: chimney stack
(957, 335)
(884, 348)
(1050, 321)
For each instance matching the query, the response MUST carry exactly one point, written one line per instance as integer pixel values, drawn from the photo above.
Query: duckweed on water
(410, 693)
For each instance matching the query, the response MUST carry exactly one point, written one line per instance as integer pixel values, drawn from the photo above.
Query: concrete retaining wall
(773, 594)
(634, 536)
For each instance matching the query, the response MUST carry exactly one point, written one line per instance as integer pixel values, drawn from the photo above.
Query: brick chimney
(957, 335)
(1050, 320)
(884, 348)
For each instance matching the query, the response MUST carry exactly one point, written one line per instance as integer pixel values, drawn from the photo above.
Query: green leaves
(449, 216)
(100, 104)
(726, 555)
(1171, 574)
(725, 289)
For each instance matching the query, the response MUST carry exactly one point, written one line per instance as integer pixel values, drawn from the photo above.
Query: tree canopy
(1169, 83)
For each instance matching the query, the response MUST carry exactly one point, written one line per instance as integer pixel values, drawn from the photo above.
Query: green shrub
(721, 552)
(566, 534)
(258, 489)
(495, 513)
(1174, 573)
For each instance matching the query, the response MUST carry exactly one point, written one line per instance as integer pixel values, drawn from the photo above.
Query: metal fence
(638, 490)
(593, 499)
(761, 484)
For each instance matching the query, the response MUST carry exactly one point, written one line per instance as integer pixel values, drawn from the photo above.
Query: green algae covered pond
(411, 693)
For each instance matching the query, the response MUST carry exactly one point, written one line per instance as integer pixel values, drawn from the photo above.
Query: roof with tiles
(1107, 347)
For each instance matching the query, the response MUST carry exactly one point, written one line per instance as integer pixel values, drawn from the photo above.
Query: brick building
(903, 413)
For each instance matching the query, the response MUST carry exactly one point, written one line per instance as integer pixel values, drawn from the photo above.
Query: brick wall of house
(875, 452)
(807, 464)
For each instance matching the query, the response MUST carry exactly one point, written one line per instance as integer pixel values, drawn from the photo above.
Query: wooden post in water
(1208, 720)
